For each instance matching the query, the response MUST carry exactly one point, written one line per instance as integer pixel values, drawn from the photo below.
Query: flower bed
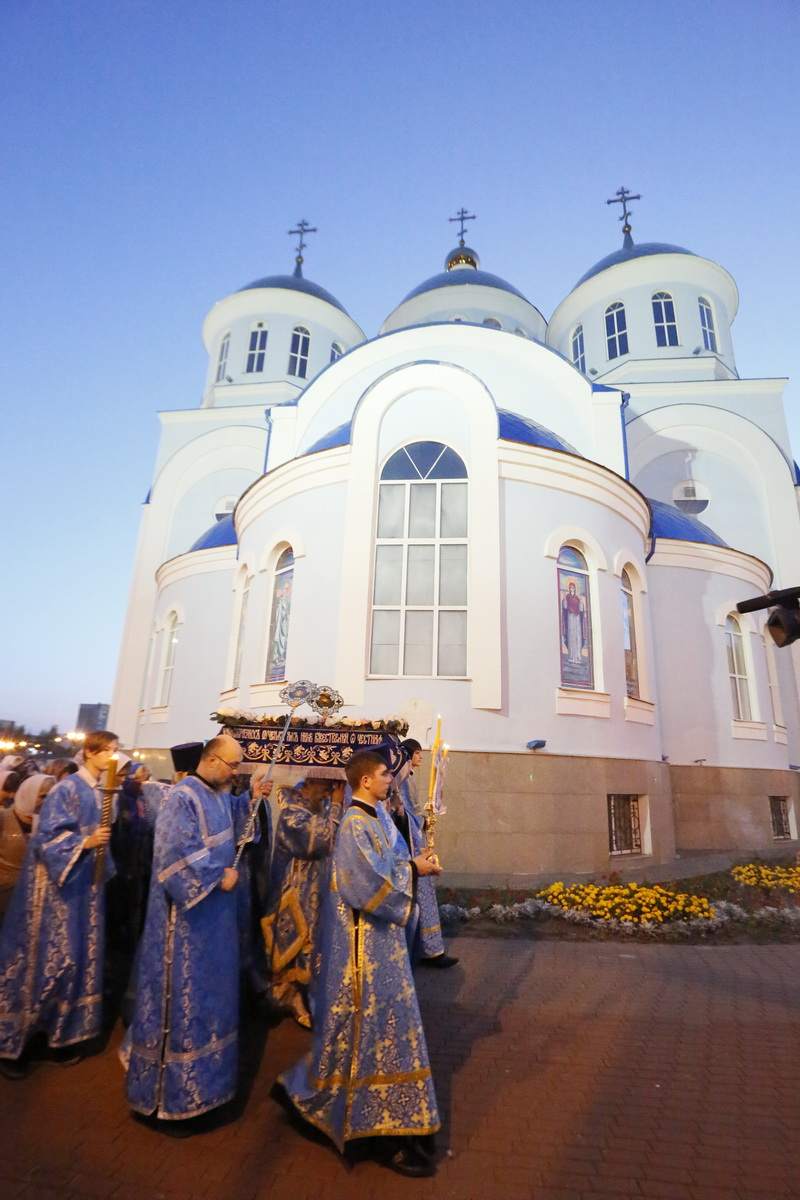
(628, 902)
(769, 878)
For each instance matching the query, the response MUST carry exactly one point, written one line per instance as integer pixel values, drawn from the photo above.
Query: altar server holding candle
(51, 942)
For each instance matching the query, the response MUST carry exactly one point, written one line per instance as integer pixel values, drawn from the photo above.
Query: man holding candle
(52, 939)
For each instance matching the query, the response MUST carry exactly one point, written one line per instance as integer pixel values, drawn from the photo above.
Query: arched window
(222, 361)
(170, 648)
(278, 639)
(629, 637)
(492, 322)
(707, 323)
(664, 318)
(616, 330)
(257, 349)
(575, 619)
(237, 658)
(298, 355)
(419, 600)
(772, 677)
(336, 351)
(578, 349)
(737, 669)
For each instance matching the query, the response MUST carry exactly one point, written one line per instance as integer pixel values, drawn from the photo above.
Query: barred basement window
(624, 829)
(779, 811)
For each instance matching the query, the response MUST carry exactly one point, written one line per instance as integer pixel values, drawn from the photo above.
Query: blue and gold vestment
(181, 1048)
(52, 939)
(368, 1071)
(430, 928)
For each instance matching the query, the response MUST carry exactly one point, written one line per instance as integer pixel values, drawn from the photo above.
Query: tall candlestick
(109, 787)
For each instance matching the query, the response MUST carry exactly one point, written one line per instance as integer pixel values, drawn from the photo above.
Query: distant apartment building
(91, 717)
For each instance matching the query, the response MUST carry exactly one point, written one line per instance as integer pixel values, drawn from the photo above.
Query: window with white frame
(737, 670)
(772, 677)
(222, 361)
(168, 667)
(624, 825)
(779, 813)
(579, 349)
(280, 611)
(629, 637)
(575, 619)
(616, 330)
(492, 322)
(256, 349)
(298, 353)
(419, 598)
(336, 351)
(664, 319)
(707, 324)
(237, 657)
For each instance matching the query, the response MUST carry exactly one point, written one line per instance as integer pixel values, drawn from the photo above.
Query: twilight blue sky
(157, 151)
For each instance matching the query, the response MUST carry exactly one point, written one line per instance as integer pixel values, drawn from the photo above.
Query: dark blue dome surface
(629, 251)
(340, 436)
(670, 522)
(293, 283)
(221, 533)
(516, 428)
(464, 277)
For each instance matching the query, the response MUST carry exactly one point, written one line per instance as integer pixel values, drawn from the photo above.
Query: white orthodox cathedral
(539, 530)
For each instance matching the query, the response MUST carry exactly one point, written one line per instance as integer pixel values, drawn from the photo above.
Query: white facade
(564, 436)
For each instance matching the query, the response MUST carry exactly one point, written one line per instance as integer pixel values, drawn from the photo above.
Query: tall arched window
(257, 349)
(222, 361)
(298, 354)
(419, 600)
(278, 638)
(336, 351)
(616, 330)
(737, 669)
(664, 318)
(237, 657)
(772, 677)
(629, 637)
(168, 667)
(578, 349)
(575, 619)
(707, 324)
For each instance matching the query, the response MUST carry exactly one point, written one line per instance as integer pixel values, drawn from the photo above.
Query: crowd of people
(324, 922)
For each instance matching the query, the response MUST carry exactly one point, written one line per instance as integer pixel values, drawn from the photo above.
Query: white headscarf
(10, 761)
(27, 797)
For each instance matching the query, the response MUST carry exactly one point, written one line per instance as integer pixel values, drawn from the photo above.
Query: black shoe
(410, 1161)
(440, 961)
(178, 1129)
(12, 1068)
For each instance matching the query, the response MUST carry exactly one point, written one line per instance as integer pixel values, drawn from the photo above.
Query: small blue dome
(629, 251)
(465, 277)
(516, 428)
(221, 533)
(295, 283)
(340, 436)
(670, 522)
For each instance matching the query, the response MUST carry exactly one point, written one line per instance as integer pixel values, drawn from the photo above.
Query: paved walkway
(565, 1071)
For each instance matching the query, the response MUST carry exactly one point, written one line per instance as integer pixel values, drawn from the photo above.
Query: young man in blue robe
(368, 1075)
(52, 938)
(181, 1048)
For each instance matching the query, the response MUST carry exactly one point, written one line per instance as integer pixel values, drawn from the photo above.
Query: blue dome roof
(464, 277)
(629, 251)
(340, 436)
(221, 533)
(295, 283)
(516, 428)
(670, 522)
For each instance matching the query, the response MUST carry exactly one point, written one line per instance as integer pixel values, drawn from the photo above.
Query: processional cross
(462, 215)
(622, 197)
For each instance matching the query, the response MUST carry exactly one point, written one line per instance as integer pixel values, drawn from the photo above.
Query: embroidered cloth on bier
(368, 1071)
(181, 1048)
(52, 937)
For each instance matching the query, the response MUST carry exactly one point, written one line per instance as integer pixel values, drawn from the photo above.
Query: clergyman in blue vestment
(181, 1048)
(368, 1075)
(52, 939)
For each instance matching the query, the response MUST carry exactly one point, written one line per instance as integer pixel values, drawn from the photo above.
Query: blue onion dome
(670, 522)
(516, 428)
(295, 283)
(630, 251)
(221, 533)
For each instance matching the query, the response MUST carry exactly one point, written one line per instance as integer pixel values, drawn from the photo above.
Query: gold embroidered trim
(379, 896)
(181, 863)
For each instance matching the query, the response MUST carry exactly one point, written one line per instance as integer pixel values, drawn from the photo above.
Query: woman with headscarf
(15, 827)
